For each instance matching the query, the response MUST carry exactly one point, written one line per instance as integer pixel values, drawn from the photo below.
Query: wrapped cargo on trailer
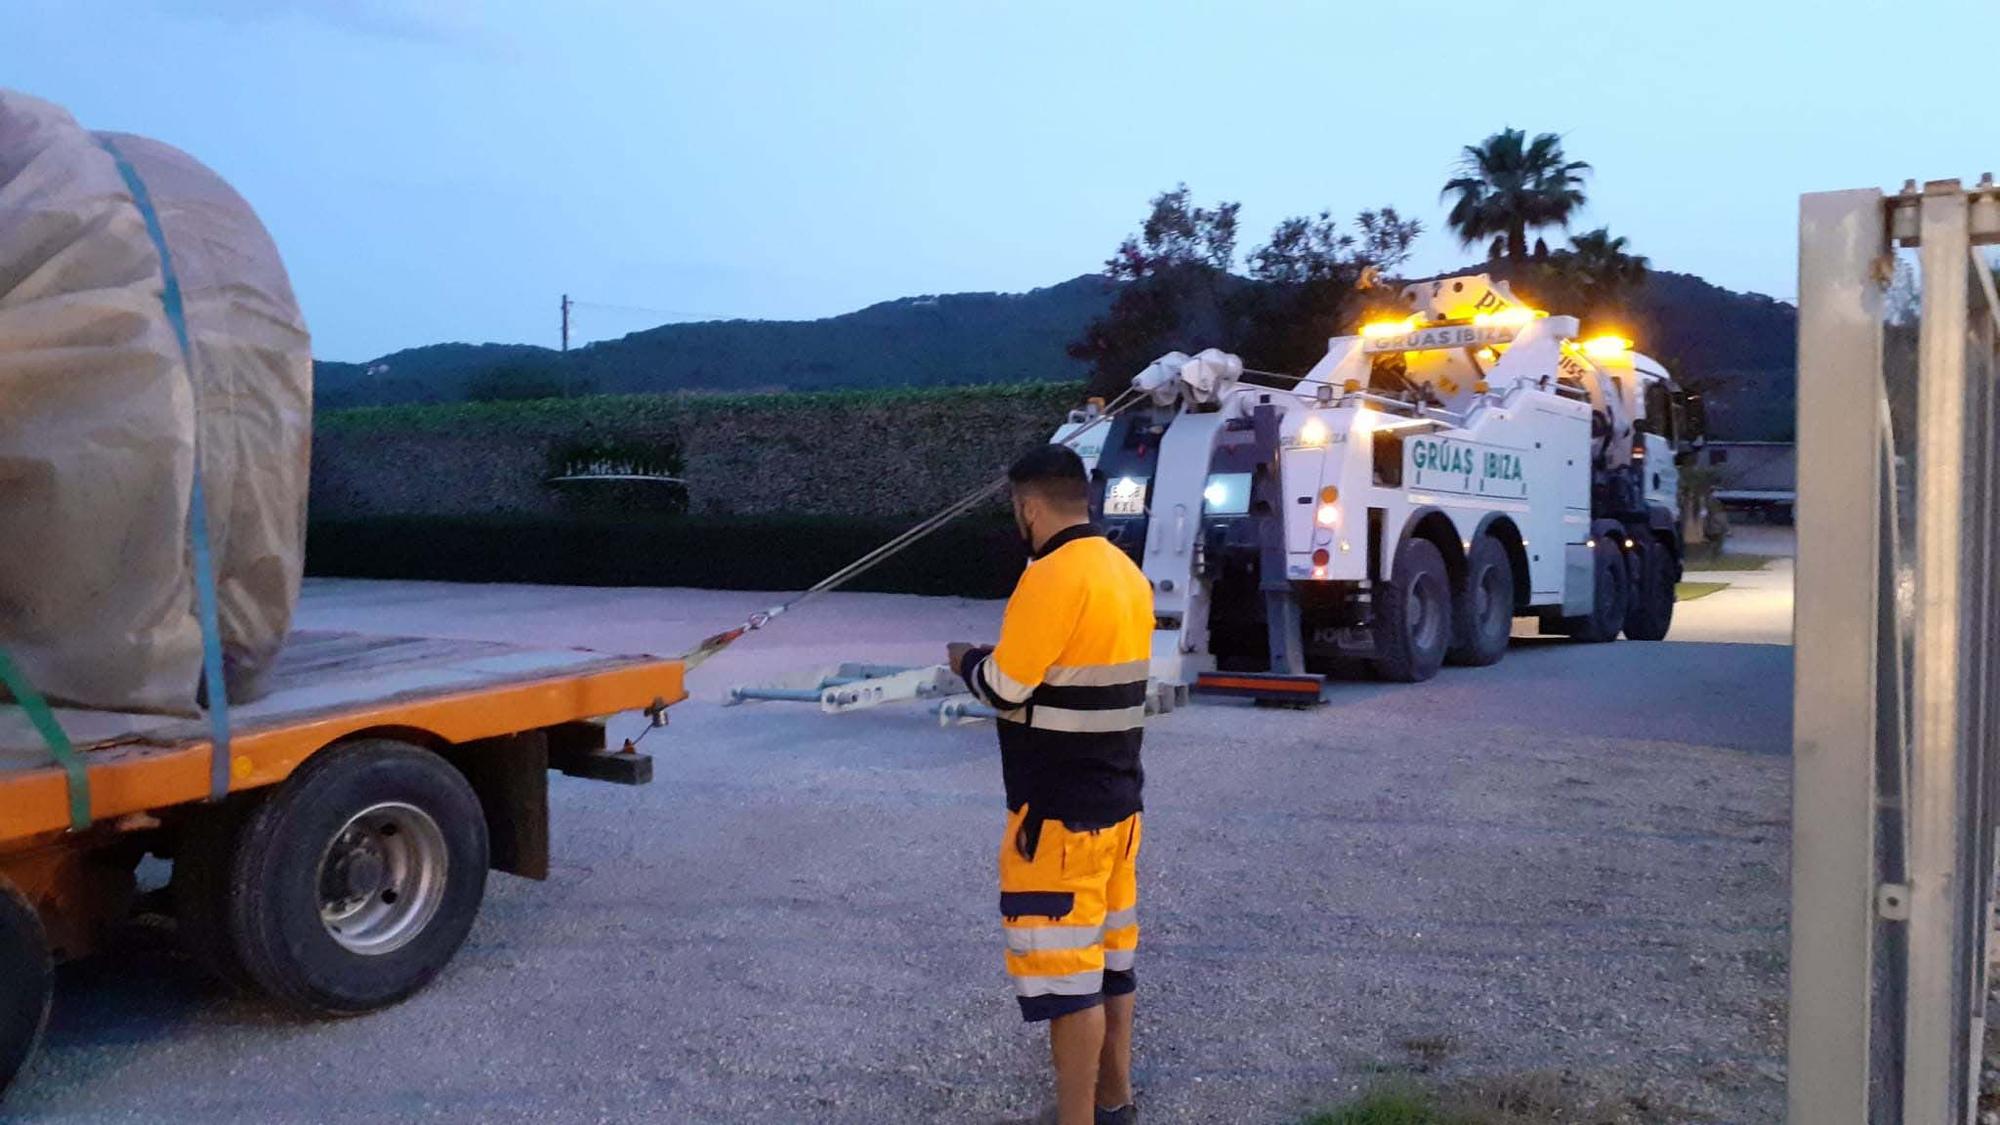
(151, 352)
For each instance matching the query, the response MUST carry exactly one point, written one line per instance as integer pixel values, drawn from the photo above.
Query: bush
(977, 556)
(1393, 1105)
(588, 414)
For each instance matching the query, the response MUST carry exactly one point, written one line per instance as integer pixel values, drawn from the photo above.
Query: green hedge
(976, 556)
(640, 411)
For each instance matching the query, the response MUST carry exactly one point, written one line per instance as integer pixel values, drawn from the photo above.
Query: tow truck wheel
(1652, 610)
(356, 882)
(27, 982)
(1613, 590)
(1413, 617)
(1484, 610)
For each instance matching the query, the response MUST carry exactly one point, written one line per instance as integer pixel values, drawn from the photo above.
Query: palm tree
(1508, 185)
(1599, 264)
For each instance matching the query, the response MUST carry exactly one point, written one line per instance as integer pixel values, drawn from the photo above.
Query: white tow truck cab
(1429, 480)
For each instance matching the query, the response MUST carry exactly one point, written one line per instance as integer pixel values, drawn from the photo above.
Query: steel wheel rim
(1489, 598)
(1422, 612)
(382, 878)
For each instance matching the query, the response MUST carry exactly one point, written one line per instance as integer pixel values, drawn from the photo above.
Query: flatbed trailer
(367, 795)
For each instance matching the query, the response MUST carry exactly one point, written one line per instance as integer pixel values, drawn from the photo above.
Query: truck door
(1655, 446)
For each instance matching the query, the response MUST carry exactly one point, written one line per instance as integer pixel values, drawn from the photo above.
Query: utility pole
(566, 302)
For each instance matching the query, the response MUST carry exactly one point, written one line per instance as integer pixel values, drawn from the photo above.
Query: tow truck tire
(1413, 619)
(358, 879)
(1483, 617)
(1652, 611)
(27, 982)
(1612, 589)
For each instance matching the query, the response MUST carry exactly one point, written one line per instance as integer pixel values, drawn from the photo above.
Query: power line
(680, 313)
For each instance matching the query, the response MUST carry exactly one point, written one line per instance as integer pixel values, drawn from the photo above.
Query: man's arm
(1040, 617)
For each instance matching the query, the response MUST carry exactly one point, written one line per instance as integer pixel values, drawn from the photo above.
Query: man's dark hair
(1053, 472)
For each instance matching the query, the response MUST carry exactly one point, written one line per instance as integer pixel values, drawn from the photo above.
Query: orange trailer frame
(135, 782)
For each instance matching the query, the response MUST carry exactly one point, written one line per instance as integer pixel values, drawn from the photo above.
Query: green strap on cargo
(207, 612)
(44, 719)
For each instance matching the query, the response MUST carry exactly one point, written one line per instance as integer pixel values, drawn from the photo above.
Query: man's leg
(1077, 1040)
(1052, 885)
(1121, 945)
(1114, 1063)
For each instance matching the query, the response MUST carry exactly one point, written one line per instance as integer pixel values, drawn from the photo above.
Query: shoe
(1127, 1114)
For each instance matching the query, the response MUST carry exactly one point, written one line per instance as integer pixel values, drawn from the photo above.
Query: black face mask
(1021, 529)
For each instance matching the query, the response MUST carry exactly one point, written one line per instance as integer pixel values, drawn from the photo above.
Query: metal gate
(1896, 790)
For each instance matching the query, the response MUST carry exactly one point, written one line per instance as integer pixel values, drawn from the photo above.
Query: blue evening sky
(444, 169)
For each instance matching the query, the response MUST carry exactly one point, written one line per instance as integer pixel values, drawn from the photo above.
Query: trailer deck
(325, 687)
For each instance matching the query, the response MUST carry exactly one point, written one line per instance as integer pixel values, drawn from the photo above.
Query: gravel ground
(1574, 860)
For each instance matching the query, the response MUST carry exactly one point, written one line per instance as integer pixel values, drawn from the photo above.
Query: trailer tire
(27, 982)
(1652, 611)
(1413, 618)
(358, 879)
(1483, 612)
(1612, 590)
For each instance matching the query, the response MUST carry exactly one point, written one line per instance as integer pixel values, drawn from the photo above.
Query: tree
(1596, 275)
(1600, 265)
(1303, 250)
(1176, 234)
(1172, 274)
(1176, 291)
(1308, 274)
(523, 379)
(1508, 185)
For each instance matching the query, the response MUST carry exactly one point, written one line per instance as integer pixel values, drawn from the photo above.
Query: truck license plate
(1126, 496)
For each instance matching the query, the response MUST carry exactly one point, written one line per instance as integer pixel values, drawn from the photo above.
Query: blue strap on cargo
(44, 719)
(204, 564)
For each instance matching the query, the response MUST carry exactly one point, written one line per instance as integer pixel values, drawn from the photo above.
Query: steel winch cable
(700, 653)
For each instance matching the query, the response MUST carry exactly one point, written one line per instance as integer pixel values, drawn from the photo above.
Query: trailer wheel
(27, 982)
(1483, 613)
(1413, 615)
(358, 879)
(1652, 610)
(1612, 588)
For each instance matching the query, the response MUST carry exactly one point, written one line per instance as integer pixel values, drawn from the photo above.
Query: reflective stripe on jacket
(1069, 680)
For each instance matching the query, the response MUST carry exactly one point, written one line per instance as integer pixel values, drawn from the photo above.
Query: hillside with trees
(934, 340)
(1181, 282)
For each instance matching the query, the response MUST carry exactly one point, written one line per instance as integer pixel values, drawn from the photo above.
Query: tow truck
(1427, 482)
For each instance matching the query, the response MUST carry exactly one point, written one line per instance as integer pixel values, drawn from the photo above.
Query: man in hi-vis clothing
(1069, 680)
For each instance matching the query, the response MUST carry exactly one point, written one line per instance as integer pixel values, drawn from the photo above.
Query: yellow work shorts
(1069, 903)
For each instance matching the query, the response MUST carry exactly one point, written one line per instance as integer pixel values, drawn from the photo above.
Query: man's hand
(955, 653)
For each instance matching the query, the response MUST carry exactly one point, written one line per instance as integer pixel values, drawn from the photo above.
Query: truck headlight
(1226, 494)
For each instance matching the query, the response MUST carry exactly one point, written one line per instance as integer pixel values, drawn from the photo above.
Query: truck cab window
(1659, 418)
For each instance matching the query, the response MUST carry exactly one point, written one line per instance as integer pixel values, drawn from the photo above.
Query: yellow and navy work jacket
(1069, 680)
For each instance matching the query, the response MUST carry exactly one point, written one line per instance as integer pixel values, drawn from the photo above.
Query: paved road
(1576, 859)
(1748, 538)
(1756, 608)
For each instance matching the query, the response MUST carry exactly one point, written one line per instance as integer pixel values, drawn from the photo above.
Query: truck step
(1276, 689)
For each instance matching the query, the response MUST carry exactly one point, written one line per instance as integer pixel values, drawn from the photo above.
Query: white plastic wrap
(100, 416)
